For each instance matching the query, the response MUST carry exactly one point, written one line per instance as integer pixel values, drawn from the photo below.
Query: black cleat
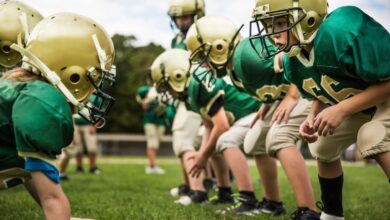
(305, 214)
(180, 190)
(95, 170)
(243, 206)
(222, 197)
(209, 184)
(195, 197)
(271, 208)
(79, 170)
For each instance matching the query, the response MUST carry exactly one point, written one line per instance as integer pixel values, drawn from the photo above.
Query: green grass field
(124, 191)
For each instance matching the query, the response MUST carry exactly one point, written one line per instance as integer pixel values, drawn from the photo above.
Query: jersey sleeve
(367, 54)
(211, 97)
(42, 126)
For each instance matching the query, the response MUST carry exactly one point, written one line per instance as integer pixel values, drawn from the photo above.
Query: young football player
(340, 61)
(171, 63)
(226, 113)
(214, 41)
(38, 99)
(183, 13)
(154, 124)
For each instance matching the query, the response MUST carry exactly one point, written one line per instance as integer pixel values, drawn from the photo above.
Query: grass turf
(124, 191)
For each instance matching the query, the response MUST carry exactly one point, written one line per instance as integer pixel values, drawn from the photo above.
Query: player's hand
(328, 120)
(307, 131)
(199, 164)
(283, 111)
(261, 113)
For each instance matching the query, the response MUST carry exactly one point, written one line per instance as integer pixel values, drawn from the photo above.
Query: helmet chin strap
(101, 53)
(53, 78)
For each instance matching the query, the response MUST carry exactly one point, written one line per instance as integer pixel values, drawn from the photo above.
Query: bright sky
(149, 22)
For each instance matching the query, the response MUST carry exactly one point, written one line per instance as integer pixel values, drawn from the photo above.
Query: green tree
(132, 65)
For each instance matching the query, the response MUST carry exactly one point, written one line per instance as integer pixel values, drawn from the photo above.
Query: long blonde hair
(21, 75)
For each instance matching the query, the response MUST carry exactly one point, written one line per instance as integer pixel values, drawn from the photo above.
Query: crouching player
(343, 66)
(38, 99)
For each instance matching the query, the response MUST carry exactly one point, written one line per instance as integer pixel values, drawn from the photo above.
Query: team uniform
(154, 122)
(35, 124)
(343, 62)
(262, 79)
(207, 99)
(186, 124)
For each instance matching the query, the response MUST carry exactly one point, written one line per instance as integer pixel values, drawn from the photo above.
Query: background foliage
(132, 65)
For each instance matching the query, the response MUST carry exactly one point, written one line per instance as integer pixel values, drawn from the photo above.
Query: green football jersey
(350, 52)
(257, 76)
(179, 41)
(150, 114)
(208, 99)
(35, 118)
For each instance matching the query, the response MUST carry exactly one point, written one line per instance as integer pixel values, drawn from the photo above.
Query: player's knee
(255, 138)
(370, 137)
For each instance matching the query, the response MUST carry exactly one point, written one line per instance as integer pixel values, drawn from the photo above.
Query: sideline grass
(124, 191)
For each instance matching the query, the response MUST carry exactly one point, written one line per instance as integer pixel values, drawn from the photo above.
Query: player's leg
(281, 143)
(327, 150)
(254, 144)
(51, 196)
(221, 170)
(160, 134)
(197, 192)
(229, 144)
(151, 145)
(374, 138)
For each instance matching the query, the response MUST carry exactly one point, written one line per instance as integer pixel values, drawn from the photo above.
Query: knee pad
(255, 137)
(371, 134)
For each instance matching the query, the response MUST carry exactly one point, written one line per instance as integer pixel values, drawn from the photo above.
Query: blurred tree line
(132, 64)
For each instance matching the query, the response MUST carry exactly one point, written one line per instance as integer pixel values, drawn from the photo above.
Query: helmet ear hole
(311, 22)
(75, 78)
(6, 49)
(219, 47)
(178, 76)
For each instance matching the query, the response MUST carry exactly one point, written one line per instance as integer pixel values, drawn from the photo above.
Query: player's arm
(220, 125)
(285, 107)
(330, 118)
(212, 132)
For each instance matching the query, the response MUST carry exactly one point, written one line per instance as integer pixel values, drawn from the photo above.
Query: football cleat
(305, 214)
(271, 208)
(244, 205)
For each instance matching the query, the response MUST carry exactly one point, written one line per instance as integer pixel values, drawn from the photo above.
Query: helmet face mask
(277, 24)
(301, 18)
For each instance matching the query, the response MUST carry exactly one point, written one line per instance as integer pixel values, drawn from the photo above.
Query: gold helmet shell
(171, 67)
(179, 8)
(214, 36)
(68, 45)
(15, 19)
(305, 15)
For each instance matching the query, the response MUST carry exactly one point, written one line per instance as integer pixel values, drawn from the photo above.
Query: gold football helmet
(170, 71)
(303, 18)
(211, 41)
(76, 55)
(16, 22)
(179, 8)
